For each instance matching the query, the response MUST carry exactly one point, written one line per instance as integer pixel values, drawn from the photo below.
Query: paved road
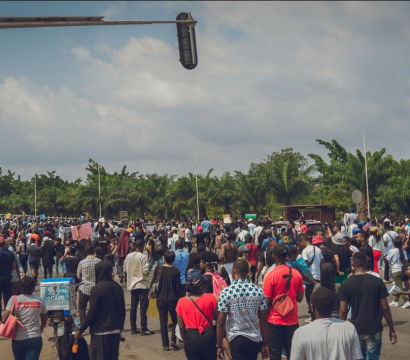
(149, 347)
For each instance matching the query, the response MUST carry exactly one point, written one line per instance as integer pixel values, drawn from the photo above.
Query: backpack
(218, 283)
(157, 245)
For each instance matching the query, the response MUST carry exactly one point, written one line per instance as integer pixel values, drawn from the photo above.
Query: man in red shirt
(281, 329)
(252, 255)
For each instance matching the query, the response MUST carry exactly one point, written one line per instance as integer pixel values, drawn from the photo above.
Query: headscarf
(103, 271)
(123, 244)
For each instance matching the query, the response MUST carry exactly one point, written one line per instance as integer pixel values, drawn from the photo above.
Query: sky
(270, 75)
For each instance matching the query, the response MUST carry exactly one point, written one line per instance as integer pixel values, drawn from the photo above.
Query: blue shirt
(287, 245)
(266, 241)
(6, 262)
(206, 224)
(181, 262)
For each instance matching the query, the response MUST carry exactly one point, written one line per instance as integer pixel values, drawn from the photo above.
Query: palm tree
(350, 169)
(224, 192)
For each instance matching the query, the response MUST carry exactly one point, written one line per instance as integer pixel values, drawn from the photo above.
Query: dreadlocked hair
(27, 285)
(398, 245)
(327, 276)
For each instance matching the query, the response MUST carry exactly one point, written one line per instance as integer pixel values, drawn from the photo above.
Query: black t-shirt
(344, 255)
(103, 243)
(140, 236)
(369, 252)
(47, 253)
(364, 292)
(169, 285)
(72, 265)
(200, 238)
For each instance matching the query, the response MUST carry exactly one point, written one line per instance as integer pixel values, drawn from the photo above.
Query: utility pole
(99, 188)
(367, 180)
(197, 196)
(35, 195)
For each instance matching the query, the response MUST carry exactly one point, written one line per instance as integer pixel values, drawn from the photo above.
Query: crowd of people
(229, 287)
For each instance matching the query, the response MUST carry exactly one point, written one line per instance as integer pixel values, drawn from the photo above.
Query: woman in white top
(376, 243)
(396, 258)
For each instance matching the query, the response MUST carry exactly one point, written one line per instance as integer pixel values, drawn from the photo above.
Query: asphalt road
(150, 347)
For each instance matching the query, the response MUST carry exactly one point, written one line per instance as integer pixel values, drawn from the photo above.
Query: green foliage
(282, 178)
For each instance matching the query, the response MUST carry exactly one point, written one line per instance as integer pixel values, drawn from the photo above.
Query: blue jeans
(371, 346)
(28, 349)
(153, 260)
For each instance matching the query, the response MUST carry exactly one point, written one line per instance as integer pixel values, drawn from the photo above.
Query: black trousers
(139, 296)
(243, 348)
(48, 269)
(280, 336)
(189, 245)
(386, 270)
(120, 266)
(200, 346)
(163, 308)
(5, 292)
(105, 347)
(253, 271)
(23, 261)
(83, 300)
(308, 294)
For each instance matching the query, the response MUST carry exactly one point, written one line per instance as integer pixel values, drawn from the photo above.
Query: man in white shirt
(326, 337)
(314, 260)
(352, 227)
(136, 267)
(351, 216)
(256, 232)
(251, 226)
(388, 238)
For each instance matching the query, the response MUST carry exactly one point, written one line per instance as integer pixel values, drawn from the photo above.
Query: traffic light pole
(17, 24)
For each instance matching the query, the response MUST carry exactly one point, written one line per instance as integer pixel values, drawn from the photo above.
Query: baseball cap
(195, 275)
(250, 219)
(200, 228)
(243, 248)
(355, 231)
(45, 239)
(279, 250)
(174, 228)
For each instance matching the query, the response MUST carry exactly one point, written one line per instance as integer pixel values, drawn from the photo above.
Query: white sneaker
(308, 320)
(394, 303)
(393, 283)
(406, 305)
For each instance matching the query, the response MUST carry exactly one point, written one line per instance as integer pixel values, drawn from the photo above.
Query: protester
(181, 262)
(33, 258)
(123, 248)
(361, 237)
(46, 254)
(156, 250)
(242, 315)
(22, 253)
(71, 259)
(59, 248)
(314, 260)
(368, 298)
(228, 254)
(376, 243)
(282, 280)
(397, 258)
(86, 273)
(28, 343)
(106, 316)
(388, 238)
(325, 338)
(169, 292)
(136, 267)
(327, 280)
(194, 314)
(7, 265)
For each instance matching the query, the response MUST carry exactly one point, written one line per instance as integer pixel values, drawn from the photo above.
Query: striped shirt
(86, 270)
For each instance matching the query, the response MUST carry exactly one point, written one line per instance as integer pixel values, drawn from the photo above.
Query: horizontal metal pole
(34, 24)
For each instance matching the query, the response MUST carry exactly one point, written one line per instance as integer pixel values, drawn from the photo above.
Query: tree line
(282, 178)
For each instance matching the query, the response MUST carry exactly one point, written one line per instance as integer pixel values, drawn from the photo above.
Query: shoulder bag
(282, 303)
(153, 292)
(309, 264)
(206, 317)
(9, 328)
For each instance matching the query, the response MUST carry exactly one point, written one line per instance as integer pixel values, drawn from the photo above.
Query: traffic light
(186, 42)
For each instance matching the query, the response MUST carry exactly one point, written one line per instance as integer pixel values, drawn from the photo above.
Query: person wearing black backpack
(156, 251)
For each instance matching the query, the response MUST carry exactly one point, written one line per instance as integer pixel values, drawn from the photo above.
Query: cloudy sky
(271, 75)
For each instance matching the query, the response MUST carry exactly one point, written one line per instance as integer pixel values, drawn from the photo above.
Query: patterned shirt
(86, 269)
(242, 301)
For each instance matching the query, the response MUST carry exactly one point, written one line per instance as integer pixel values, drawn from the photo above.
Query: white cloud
(271, 75)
